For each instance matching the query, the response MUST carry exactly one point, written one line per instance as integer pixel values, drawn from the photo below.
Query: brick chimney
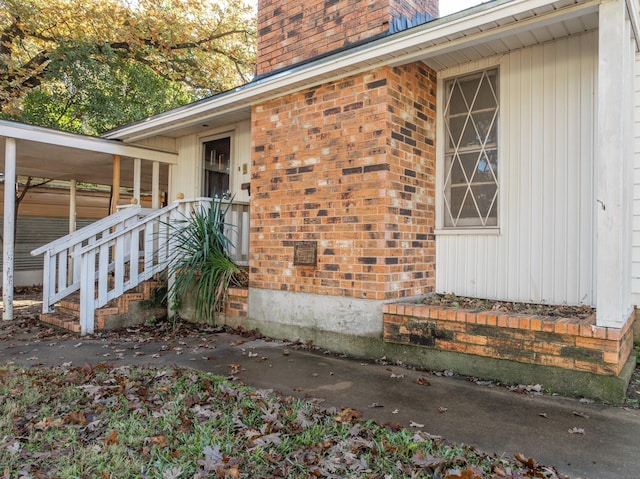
(291, 31)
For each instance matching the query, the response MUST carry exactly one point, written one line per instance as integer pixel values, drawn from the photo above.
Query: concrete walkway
(491, 418)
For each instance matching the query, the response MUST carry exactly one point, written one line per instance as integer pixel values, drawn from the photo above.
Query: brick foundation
(237, 304)
(566, 343)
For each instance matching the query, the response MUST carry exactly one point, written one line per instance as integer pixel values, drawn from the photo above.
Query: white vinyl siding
(635, 267)
(543, 252)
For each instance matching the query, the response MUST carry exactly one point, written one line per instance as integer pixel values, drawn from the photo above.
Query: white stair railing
(61, 275)
(121, 260)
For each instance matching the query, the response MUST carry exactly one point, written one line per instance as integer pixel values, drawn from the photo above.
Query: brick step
(62, 321)
(67, 314)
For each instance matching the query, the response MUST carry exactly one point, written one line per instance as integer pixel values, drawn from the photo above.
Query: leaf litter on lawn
(126, 422)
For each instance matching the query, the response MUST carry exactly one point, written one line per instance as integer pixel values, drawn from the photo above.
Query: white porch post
(613, 166)
(8, 225)
(115, 196)
(155, 186)
(137, 178)
(73, 193)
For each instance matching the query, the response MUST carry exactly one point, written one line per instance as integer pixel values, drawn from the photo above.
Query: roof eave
(415, 44)
(21, 131)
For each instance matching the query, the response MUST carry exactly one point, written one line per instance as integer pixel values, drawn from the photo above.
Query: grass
(128, 422)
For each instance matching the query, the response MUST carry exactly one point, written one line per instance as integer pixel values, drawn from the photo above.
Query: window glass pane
(456, 127)
(486, 98)
(468, 209)
(484, 125)
(458, 194)
(469, 88)
(456, 101)
(484, 194)
(470, 136)
(487, 167)
(457, 173)
(469, 161)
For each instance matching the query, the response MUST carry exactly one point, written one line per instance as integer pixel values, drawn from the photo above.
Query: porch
(92, 276)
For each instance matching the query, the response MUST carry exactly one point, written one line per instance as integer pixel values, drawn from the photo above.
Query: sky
(447, 7)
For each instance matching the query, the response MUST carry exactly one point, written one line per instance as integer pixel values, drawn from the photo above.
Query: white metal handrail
(122, 259)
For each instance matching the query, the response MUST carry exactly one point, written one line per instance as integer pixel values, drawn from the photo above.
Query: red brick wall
(351, 165)
(290, 31)
(236, 304)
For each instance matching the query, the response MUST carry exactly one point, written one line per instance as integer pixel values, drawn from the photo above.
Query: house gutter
(410, 45)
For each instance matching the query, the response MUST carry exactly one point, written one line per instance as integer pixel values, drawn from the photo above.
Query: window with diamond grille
(470, 188)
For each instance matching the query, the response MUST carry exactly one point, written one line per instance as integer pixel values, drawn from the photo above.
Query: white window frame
(440, 154)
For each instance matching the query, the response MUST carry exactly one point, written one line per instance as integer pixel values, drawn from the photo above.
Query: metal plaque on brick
(305, 253)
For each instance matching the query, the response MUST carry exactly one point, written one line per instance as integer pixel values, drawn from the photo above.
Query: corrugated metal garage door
(33, 232)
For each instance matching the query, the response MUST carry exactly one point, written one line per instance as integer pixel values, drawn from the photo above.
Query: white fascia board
(418, 42)
(70, 140)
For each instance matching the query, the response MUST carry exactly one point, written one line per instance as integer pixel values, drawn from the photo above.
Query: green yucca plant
(199, 260)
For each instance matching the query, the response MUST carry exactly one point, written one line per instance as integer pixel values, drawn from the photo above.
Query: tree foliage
(89, 66)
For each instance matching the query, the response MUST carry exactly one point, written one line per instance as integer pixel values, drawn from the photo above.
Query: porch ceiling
(46, 153)
(521, 35)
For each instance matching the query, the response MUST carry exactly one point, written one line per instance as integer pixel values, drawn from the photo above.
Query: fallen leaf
(395, 411)
(76, 417)
(576, 430)
(580, 414)
(375, 404)
(527, 461)
(422, 460)
(415, 424)
(348, 415)
(442, 410)
(396, 376)
(544, 415)
(422, 381)
(160, 441)
(232, 471)
(267, 440)
(46, 423)
(173, 473)
(112, 438)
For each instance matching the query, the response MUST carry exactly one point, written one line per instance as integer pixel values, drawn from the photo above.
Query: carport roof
(48, 153)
